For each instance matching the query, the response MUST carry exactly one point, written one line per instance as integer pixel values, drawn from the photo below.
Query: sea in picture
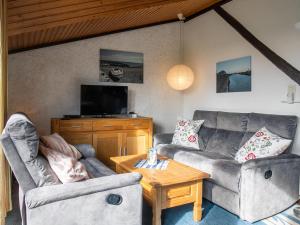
(121, 66)
(234, 75)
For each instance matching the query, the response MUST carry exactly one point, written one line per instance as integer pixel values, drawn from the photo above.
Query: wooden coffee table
(177, 185)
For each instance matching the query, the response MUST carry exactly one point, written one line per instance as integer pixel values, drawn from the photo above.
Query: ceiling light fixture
(180, 76)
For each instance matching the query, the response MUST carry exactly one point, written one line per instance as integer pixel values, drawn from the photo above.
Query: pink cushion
(56, 142)
(68, 169)
(63, 158)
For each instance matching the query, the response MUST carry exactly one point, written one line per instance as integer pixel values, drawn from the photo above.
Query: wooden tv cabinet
(109, 136)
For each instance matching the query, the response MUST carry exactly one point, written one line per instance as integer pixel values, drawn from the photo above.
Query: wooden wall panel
(5, 195)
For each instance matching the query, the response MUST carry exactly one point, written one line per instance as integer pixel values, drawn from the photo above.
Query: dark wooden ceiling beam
(279, 62)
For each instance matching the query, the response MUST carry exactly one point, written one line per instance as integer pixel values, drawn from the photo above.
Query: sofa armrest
(86, 150)
(263, 181)
(272, 160)
(49, 194)
(165, 138)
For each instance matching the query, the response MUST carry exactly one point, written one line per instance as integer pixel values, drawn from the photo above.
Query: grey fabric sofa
(107, 199)
(253, 190)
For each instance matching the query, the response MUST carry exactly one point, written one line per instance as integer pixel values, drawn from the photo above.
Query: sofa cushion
(225, 142)
(66, 168)
(262, 144)
(208, 128)
(56, 142)
(170, 150)
(24, 135)
(96, 168)
(232, 121)
(209, 117)
(186, 133)
(223, 170)
(282, 125)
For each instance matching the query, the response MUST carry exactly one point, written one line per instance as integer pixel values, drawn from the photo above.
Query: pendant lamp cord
(181, 42)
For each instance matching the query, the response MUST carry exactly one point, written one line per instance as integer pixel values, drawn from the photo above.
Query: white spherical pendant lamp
(180, 77)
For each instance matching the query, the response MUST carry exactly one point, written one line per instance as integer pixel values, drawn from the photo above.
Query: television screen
(103, 100)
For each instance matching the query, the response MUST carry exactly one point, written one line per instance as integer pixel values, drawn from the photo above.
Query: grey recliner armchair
(107, 199)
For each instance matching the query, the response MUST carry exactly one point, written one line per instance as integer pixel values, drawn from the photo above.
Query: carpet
(215, 215)
(183, 215)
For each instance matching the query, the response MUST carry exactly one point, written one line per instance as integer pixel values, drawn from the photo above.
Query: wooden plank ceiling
(37, 23)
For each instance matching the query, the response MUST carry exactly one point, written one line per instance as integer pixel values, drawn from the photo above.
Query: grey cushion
(223, 170)
(170, 150)
(208, 128)
(225, 142)
(284, 126)
(96, 168)
(23, 134)
(232, 121)
(229, 134)
(26, 141)
(86, 150)
(209, 117)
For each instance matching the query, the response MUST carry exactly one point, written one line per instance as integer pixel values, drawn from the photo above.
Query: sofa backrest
(226, 132)
(16, 164)
(282, 125)
(20, 142)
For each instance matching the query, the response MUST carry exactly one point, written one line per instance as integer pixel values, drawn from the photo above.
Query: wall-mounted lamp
(180, 76)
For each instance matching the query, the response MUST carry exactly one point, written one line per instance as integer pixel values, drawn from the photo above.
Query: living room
(48, 67)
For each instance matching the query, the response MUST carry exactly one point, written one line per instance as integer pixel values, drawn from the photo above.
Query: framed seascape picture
(234, 75)
(121, 66)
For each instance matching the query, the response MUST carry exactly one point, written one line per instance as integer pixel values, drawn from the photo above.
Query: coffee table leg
(198, 202)
(156, 206)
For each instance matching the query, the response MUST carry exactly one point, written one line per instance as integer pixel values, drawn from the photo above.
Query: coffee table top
(174, 174)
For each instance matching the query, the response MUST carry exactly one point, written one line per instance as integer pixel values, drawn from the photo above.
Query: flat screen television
(103, 100)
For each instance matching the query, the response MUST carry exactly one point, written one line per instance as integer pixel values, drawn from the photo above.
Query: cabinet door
(78, 138)
(107, 145)
(136, 142)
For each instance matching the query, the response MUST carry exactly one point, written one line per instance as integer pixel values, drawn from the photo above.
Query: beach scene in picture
(121, 66)
(234, 75)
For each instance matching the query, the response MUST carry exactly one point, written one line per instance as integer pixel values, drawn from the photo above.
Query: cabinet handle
(125, 151)
(107, 125)
(121, 152)
(75, 126)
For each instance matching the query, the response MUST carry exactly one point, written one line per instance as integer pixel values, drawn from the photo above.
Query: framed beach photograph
(121, 66)
(234, 75)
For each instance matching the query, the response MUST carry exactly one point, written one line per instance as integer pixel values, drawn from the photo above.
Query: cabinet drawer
(109, 125)
(137, 124)
(78, 138)
(75, 125)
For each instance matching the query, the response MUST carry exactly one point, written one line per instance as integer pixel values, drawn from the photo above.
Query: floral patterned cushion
(186, 133)
(262, 144)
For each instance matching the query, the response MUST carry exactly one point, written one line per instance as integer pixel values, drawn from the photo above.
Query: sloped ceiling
(38, 23)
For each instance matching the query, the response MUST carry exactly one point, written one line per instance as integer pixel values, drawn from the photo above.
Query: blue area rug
(214, 215)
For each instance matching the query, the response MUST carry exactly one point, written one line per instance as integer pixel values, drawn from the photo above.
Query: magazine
(160, 165)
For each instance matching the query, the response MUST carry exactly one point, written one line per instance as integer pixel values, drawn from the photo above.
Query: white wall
(209, 39)
(46, 82)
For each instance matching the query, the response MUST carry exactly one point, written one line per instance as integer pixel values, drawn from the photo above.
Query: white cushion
(262, 144)
(186, 133)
